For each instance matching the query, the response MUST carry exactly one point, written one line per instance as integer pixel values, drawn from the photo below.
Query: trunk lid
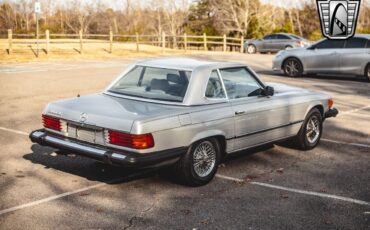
(107, 111)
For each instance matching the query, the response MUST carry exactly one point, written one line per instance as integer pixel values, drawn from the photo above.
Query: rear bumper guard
(107, 155)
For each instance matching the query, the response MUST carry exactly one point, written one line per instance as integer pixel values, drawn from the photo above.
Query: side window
(214, 87)
(331, 44)
(368, 44)
(269, 37)
(280, 36)
(356, 43)
(239, 83)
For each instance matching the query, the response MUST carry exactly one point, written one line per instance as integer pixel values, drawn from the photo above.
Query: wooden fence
(185, 42)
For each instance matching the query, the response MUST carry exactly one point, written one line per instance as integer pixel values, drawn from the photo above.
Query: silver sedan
(275, 43)
(347, 57)
(184, 112)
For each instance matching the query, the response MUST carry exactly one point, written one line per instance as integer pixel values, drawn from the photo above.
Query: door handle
(239, 112)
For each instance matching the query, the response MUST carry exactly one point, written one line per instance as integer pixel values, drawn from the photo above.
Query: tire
(288, 47)
(251, 49)
(303, 140)
(367, 72)
(187, 171)
(293, 67)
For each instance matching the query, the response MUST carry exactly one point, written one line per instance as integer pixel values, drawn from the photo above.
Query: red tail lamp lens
(142, 141)
(51, 123)
(330, 102)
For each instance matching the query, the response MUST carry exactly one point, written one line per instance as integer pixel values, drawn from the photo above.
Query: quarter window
(214, 87)
(356, 43)
(239, 83)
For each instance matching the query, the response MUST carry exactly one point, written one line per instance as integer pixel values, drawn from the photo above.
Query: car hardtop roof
(188, 64)
(280, 33)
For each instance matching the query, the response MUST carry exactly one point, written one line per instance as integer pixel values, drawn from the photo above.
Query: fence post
(81, 42)
(10, 41)
(110, 41)
(137, 42)
(185, 42)
(205, 41)
(163, 41)
(224, 43)
(47, 36)
(241, 44)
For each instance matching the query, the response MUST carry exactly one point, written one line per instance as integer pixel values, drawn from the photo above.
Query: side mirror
(268, 91)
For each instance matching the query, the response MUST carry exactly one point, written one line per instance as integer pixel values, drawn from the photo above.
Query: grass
(25, 50)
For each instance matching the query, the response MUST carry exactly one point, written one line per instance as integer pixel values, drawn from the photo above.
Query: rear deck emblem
(338, 18)
(83, 117)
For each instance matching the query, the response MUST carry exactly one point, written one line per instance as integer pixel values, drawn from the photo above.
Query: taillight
(51, 123)
(141, 141)
(330, 102)
(300, 43)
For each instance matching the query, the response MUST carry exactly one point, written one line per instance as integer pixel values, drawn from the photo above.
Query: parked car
(349, 57)
(275, 43)
(184, 112)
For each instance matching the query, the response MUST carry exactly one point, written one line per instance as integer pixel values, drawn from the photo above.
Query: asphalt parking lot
(270, 188)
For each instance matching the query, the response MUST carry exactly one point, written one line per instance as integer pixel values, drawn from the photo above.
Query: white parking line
(353, 110)
(14, 131)
(230, 178)
(319, 194)
(346, 143)
(51, 198)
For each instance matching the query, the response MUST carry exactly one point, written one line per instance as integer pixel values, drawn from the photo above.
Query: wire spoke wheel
(204, 159)
(313, 130)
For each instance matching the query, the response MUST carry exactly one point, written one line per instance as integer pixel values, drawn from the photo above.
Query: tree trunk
(298, 22)
(291, 20)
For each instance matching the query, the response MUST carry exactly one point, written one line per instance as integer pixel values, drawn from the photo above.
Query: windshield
(153, 83)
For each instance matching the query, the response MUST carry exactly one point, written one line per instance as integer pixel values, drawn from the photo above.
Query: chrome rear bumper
(107, 155)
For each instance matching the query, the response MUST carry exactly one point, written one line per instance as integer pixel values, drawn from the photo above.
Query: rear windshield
(153, 83)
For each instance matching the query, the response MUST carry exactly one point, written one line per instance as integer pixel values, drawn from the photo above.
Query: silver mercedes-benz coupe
(184, 112)
(275, 43)
(347, 57)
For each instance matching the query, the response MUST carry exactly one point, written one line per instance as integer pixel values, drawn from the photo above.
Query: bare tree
(234, 16)
(78, 16)
(8, 16)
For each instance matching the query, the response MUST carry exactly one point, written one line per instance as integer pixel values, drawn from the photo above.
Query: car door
(323, 57)
(258, 119)
(354, 56)
(281, 42)
(268, 42)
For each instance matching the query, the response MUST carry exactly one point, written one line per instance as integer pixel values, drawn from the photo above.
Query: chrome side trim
(266, 130)
(260, 144)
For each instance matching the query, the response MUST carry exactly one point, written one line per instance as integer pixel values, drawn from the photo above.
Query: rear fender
(207, 134)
